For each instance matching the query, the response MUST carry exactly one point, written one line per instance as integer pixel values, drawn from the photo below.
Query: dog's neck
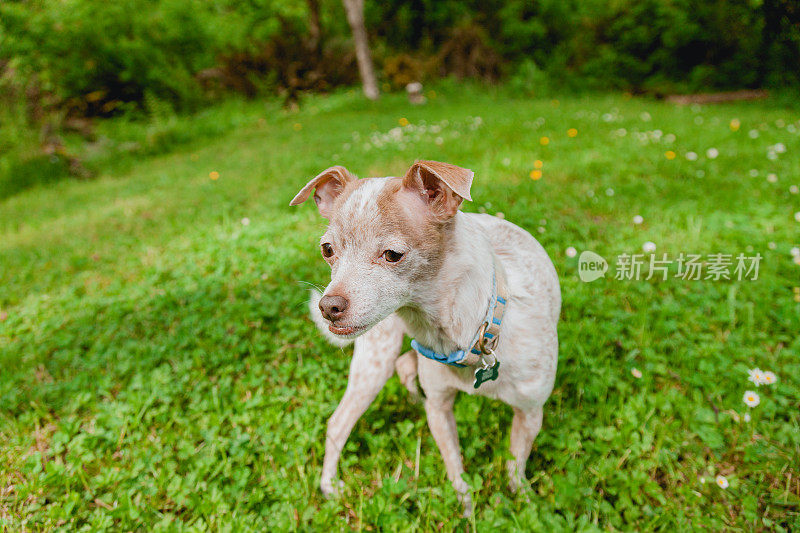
(448, 309)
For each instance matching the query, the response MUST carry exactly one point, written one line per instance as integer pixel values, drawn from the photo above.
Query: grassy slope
(158, 366)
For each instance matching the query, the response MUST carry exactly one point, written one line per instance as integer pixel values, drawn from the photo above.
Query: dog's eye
(327, 250)
(392, 256)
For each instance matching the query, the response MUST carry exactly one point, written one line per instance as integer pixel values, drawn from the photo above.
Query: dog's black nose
(333, 306)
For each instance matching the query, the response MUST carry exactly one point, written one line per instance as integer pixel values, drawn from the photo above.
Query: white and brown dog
(478, 294)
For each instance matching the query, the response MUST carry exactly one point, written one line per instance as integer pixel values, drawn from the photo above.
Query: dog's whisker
(302, 305)
(314, 285)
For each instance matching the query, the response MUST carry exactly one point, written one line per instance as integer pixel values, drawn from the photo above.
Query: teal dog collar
(485, 340)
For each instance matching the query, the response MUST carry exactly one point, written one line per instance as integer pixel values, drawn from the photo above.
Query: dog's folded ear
(443, 186)
(326, 187)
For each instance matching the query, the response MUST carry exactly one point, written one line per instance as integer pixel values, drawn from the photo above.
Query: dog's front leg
(442, 422)
(372, 365)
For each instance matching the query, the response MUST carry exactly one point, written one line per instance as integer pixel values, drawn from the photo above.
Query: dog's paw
(331, 488)
(464, 497)
(466, 504)
(414, 394)
(517, 483)
(406, 367)
(522, 489)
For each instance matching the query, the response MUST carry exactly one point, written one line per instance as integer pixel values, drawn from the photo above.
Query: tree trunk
(314, 29)
(355, 17)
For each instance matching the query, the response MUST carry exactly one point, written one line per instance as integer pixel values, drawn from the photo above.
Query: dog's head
(384, 236)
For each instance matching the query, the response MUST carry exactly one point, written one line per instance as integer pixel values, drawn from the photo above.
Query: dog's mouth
(346, 331)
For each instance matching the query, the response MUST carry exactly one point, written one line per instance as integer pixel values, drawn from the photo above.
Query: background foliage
(95, 56)
(62, 62)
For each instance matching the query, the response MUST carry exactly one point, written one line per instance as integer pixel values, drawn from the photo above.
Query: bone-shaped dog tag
(486, 373)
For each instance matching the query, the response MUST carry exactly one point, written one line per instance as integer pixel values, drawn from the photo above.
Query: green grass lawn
(158, 370)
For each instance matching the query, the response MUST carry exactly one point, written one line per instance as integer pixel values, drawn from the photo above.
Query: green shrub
(653, 45)
(95, 55)
(18, 173)
(529, 80)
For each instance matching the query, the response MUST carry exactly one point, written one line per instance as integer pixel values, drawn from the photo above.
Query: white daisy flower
(772, 178)
(780, 148)
(638, 219)
(794, 189)
(794, 252)
(769, 378)
(712, 153)
(691, 156)
(797, 216)
(771, 245)
(753, 134)
(722, 482)
(636, 373)
(649, 247)
(245, 221)
(756, 375)
(571, 252)
(753, 172)
(751, 398)
(609, 192)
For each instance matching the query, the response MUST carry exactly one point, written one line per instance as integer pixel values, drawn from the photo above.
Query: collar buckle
(486, 345)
